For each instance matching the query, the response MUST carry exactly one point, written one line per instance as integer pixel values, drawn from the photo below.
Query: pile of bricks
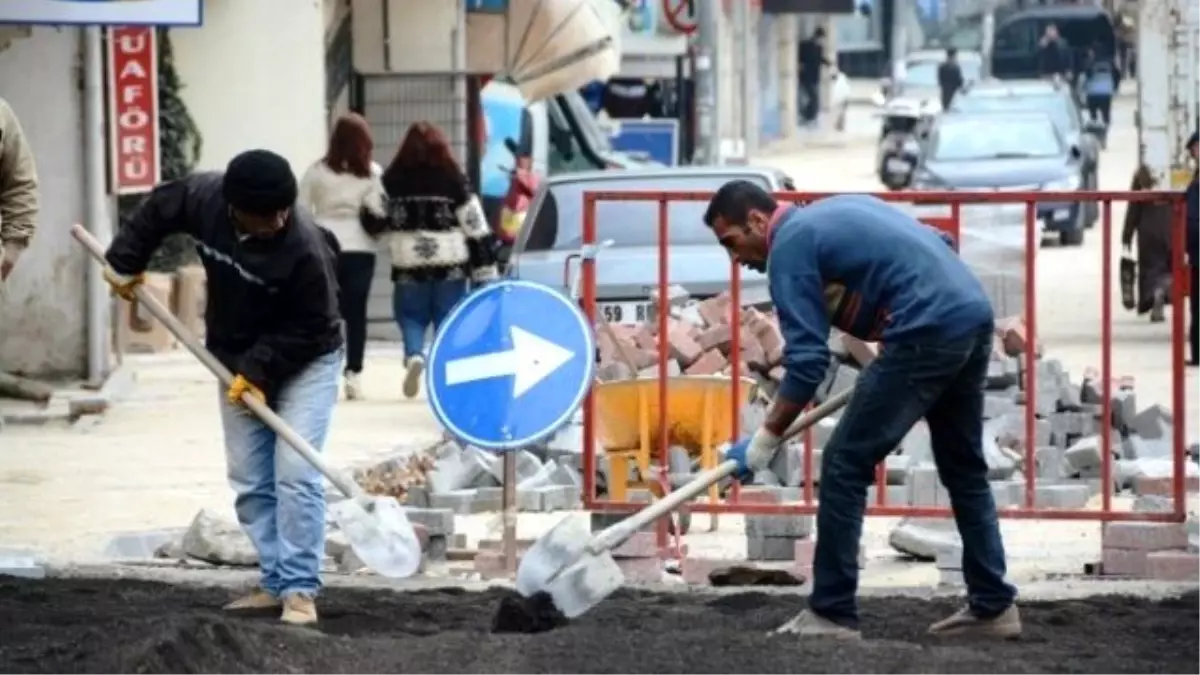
(1165, 551)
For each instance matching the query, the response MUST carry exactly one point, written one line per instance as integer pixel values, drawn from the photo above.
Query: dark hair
(734, 201)
(1143, 179)
(951, 52)
(259, 182)
(350, 146)
(425, 149)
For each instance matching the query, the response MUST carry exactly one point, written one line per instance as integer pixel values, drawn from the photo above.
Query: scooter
(523, 185)
(904, 125)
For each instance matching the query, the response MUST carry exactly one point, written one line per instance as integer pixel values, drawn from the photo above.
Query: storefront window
(861, 31)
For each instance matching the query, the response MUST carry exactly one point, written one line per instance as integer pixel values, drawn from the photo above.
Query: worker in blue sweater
(857, 263)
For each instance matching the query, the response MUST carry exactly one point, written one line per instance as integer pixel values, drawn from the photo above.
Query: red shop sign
(133, 108)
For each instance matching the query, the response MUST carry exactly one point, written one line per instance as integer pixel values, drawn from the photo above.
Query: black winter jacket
(272, 303)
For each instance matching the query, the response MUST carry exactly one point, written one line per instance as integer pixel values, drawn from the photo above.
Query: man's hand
(123, 286)
(754, 453)
(240, 387)
(9, 253)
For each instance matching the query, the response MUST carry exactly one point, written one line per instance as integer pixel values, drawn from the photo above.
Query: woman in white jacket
(344, 193)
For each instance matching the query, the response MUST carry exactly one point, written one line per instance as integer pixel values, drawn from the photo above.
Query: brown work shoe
(1006, 624)
(257, 600)
(808, 624)
(299, 609)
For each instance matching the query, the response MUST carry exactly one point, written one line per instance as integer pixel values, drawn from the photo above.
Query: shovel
(577, 570)
(376, 527)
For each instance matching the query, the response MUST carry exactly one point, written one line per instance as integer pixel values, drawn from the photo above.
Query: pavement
(156, 457)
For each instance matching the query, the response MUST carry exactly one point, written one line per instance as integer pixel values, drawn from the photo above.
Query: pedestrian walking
(875, 272)
(811, 59)
(345, 194)
(272, 319)
(1150, 224)
(18, 191)
(438, 240)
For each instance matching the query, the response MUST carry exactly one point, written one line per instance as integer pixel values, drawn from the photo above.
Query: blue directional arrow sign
(510, 365)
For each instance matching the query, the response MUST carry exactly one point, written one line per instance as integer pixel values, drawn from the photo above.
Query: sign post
(509, 367)
(133, 126)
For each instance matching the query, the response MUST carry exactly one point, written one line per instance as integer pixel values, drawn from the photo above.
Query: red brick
(643, 358)
(717, 337)
(1144, 536)
(1123, 562)
(771, 339)
(863, 352)
(709, 364)
(683, 348)
(640, 545)
(1173, 566)
(1145, 485)
(752, 495)
(644, 337)
(641, 569)
(753, 355)
(1013, 333)
(715, 310)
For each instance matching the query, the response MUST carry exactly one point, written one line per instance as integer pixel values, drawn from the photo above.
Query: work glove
(123, 286)
(240, 386)
(753, 453)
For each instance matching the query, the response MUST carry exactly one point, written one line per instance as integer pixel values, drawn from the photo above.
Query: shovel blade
(380, 534)
(585, 584)
(551, 554)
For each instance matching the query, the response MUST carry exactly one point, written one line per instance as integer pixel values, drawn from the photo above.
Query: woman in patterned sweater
(439, 241)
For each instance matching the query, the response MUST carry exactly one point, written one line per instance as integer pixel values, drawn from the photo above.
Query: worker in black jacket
(1054, 56)
(272, 319)
(950, 77)
(1193, 252)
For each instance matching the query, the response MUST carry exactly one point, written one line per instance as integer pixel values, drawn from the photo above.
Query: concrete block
(766, 478)
(1153, 504)
(917, 444)
(141, 545)
(1084, 457)
(568, 440)
(461, 502)
(1153, 423)
(1002, 494)
(786, 464)
(752, 417)
(559, 497)
(1144, 536)
(1173, 566)
(1051, 464)
(997, 405)
(416, 495)
(455, 469)
(1063, 496)
(1122, 562)
(1139, 447)
(896, 468)
(924, 486)
(766, 549)
(799, 478)
(219, 541)
(779, 526)
(439, 521)
(1000, 465)
(896, 495)
(922, 538)
(949, 557)
(488, 500)
(821, 431)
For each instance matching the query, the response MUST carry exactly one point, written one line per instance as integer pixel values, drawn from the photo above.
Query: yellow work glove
(123, 286)
(242, 386)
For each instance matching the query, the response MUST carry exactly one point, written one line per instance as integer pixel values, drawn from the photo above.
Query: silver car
(547, 249)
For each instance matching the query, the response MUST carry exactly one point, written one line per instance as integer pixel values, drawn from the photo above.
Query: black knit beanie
(260, 183)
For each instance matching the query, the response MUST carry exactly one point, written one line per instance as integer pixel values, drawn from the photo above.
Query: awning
(547, 47)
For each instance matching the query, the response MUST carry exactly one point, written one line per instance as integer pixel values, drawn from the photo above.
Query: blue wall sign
(510, 365)
(658, 138)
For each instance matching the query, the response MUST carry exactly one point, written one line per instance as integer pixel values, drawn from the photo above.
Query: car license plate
(897, 165)
(629, 313)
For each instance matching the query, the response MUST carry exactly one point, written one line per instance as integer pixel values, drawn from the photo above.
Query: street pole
(99, 305)
(708, 114)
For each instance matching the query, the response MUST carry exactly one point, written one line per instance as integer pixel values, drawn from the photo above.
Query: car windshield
(995, 138)
(1056, 106)
(924, 73)
(588, 126)
(558, 220)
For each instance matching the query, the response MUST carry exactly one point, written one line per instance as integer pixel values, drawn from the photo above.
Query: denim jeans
(280, 498)
(419, 305)
(942, 382)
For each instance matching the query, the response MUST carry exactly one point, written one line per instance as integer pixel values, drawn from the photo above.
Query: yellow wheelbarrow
(699, 417)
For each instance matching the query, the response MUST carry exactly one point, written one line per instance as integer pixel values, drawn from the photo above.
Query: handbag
(1128, 281)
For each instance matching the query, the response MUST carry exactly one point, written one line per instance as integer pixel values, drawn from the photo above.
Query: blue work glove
(753, 453)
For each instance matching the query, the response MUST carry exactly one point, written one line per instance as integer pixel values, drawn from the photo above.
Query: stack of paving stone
(1164, 551)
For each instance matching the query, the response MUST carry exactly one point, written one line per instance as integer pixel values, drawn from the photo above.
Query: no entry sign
(133, 108)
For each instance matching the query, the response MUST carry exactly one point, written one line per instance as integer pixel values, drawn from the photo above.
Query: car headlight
(1068, 184)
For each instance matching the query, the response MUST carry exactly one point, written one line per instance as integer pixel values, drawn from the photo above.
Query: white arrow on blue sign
(510, 365)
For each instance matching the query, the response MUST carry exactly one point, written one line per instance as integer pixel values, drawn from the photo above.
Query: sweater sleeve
(799, 299)
(480, 240)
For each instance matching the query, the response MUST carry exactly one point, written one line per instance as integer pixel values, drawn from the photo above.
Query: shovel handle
(260, 409)
(615, 535)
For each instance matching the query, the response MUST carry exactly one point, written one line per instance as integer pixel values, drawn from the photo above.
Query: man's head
(818, 35)
(739, 215)
(1192, 144)
(1052, 32)
(260, 188)
(951, 53)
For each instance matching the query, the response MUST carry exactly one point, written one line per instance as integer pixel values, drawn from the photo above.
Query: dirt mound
(139, 627)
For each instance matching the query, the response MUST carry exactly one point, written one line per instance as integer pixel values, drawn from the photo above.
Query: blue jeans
(942, 382)
(280, 497)
(419, 305)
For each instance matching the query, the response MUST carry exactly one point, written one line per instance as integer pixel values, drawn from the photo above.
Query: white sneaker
(353, 384)
(412, 376)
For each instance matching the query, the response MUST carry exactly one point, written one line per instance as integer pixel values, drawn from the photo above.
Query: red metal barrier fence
(955, 200)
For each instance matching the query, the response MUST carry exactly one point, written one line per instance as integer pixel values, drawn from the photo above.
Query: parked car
(1015, 50)
(548, 246)
(1008, 151)
(1060, 105)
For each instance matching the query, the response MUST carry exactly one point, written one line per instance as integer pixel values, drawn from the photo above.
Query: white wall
(420, 35)
(254, 77)
(42, 310)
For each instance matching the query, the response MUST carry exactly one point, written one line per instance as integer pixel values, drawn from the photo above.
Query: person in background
(18, 191)
(1054, 57)
(1100, 84)
(812, 59)
(950, 77)
(1193, 253)
(272, 318)
(1151, 223)
(438, 239)
(344, 192)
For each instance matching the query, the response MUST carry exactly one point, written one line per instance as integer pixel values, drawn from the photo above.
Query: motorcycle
(522, 186)
(904, 125)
